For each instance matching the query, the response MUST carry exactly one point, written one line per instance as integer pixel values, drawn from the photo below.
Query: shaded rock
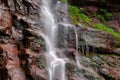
(33, 65)
(112, 5)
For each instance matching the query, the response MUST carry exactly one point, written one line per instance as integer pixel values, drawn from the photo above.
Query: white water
(56, 66)
(76, 40)
(77, 56)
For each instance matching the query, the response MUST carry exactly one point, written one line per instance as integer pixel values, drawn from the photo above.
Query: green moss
(77, 16)
(107, 29)
(63, 0)
(107, 15)
(39, 41)
(100, 17)
(103, 15)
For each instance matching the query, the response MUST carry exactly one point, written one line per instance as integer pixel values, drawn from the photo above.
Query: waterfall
(77, 57)
(56, 65)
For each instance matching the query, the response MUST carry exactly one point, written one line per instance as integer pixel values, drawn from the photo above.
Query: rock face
(112, 5)
(93, 39)
(92, 7)
(18, 58)
(22, 50)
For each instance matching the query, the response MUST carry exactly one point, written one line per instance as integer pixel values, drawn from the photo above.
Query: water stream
(56, 65)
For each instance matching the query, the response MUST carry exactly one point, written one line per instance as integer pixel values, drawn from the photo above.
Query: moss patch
(77, 16)
(107, 29)
(63, 1)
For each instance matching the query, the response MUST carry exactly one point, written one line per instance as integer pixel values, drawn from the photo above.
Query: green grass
(107, 29)
(77, 16)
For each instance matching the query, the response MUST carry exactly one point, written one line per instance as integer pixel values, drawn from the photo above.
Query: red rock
(5, 22)
(13, 66)
(115, 73)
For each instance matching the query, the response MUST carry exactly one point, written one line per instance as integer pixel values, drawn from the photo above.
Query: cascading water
(77, 57)
(66, 28)
(56, 65)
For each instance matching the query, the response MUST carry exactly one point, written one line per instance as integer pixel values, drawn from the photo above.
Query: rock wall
(22, 50)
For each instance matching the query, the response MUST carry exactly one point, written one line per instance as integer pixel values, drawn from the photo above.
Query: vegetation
(63, 0)
(39, 41)
(103, 15)
(107, 29)
(77, 16)
(100, 17)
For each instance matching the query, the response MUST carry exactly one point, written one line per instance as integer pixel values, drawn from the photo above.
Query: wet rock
(112, 5)
(17, 34)
(69, 54)
(91, 39)
(66, 36)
